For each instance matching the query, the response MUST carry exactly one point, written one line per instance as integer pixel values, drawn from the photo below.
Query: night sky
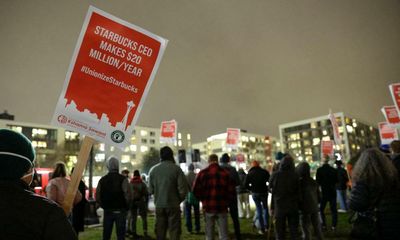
(229, 63)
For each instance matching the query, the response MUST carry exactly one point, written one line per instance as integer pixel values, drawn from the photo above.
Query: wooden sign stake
(77, 174)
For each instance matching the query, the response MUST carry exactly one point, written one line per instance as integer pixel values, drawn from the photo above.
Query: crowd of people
(297, 200)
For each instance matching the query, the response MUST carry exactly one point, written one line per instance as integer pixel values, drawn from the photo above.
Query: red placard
(395, 92)
(110, 74)
(232, 137)
(391, 115)
(327, 148)
(168, 131)
(335, 128)
(387, 133)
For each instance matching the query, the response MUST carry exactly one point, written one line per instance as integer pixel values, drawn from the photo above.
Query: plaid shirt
(214, 188)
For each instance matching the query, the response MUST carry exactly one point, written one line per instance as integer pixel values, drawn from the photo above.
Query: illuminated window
(99, 157)
(71, 135)
(179, 143)
(307, 142)
(17, 129)
(314, 125)
(133, 148)
(179, 135)
(326, 138)
(102, 147)
(39, 144)
(188, 137)
(252, 139)
(324, 132)
(39, 132)
(349, 128)
(316, 141)
(144, 148)
(245, 139)
(125, 159)
(73, 158)
(354, 124)
(143, 133)
(293, 145)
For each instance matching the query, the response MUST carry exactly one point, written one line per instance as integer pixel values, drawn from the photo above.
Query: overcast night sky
(229, 63)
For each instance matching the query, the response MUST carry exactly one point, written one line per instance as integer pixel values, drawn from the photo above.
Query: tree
(151, 158)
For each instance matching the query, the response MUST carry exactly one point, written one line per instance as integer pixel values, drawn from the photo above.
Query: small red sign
(232, 137)
(327, 148)
(391, 115)
(168, 131)
(387, 133)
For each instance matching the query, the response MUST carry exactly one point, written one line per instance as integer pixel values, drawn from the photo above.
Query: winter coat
(343, 179)
(285, 189)
(56, 190)
(25, 215)
(256, 180)
(387, 201)
(327, 179)
(168, 184)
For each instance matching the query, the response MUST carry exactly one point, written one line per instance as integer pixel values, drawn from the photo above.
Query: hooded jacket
(285, 188)
(309, 190)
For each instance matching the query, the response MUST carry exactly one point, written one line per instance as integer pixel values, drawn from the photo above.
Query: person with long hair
(57, 187)
(376, 186)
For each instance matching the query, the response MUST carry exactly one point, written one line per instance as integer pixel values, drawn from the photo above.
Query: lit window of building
(71, 135)
(125, 159)
(144, 148)
(17, 129)
(39, 132)
(100, 157)
(133, 148)
(143, 133)
(316, 141)
(179, 135)
(188, 136)
(179, 143)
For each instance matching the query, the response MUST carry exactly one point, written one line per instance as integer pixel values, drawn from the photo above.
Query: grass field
(247, 231)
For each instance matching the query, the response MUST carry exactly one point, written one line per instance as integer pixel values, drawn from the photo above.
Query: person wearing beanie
(113, 194)
(233, 205)
(256, 182)
(25, 215)
(168, 184)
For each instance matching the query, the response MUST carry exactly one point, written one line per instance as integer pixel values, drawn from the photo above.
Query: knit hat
(225, 158)
(16, 155)
(113, 164)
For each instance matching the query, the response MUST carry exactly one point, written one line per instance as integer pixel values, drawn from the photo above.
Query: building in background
(251, 147)
(57, 144)
(303, 138)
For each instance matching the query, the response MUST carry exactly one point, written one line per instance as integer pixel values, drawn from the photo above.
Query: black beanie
(166, 153)
(16, 155)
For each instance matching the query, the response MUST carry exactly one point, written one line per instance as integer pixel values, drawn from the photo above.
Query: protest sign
(335, 128)
(110, 74)
(391, 115)
(327, 148)
(395, 93)
(387, 133)
(232, 137)
(168, 131)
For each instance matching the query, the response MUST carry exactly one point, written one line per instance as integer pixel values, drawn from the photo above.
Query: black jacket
(327, 179)
(364, 197)
(285, 190)
(256, 180)
(343, 178)
(25, 215)
(112, 196)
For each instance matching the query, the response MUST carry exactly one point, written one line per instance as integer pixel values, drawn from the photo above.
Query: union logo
(62, 119)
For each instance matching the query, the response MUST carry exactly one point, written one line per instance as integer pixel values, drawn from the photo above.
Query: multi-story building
(303, 138)
(54, 144)
(252, 146)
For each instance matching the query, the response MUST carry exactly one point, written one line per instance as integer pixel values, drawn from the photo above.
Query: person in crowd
(395, 154)
(168, 184)
(192, 202)
(233, 205)
(113, 195)
(215, 188)
(376, 186)
(327, 178)
(309, 211)
(256, 181)
(243, 196)
(138, 204)
(78, 212)
(128, 228)
(284, 185)
(341, 186)
(144, 179)
(25, 215)
(57, 187)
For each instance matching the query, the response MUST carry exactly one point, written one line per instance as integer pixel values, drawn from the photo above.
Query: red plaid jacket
(214, 188)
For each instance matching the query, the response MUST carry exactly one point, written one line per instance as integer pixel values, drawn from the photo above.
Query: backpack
(137, 191)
